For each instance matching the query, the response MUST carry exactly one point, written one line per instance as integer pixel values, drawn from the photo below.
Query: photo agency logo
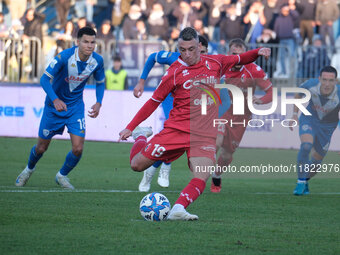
(239, 106)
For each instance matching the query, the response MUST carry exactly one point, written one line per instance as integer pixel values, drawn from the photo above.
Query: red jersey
(249, 76)
(186, 84)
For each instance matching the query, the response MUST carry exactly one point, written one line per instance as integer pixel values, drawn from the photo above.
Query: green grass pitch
(254, 213)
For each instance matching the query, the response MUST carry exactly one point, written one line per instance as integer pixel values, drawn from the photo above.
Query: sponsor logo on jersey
(265, 77)
(243, 77)
(165, 54)
(185, 72)
(76, 78)
(207, 80)
(325, 148)
(258, 68)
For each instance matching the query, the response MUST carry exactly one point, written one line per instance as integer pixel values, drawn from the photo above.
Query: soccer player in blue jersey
(163, 58)
(64, 81)
(316, 130)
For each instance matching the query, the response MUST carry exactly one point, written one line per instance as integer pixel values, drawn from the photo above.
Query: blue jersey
(161, 57)
(69, 75)
(324, 109)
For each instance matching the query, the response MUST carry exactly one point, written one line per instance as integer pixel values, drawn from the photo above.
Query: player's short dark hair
(86, 31)
(203, 40)
(187, 34)
(329, 69)
(238, 42)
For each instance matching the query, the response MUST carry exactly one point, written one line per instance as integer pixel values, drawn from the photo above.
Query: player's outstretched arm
(139, 89)
(265, 52)
(124, 134)
(150, 62)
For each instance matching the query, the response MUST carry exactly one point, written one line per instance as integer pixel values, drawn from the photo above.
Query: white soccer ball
(154, 207)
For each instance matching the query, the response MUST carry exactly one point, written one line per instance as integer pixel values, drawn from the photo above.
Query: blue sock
(157, 164)
(70, 162)
(33, 158)
(302, 160)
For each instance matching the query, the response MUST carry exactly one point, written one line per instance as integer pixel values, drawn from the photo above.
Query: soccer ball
(154, 207)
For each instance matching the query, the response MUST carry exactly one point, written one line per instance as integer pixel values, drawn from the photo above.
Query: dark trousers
(307, 31)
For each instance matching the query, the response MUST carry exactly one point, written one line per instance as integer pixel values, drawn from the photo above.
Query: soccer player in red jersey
(229, 137)
(186, 130)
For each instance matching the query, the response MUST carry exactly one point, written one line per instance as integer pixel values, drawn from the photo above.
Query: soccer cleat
(145, 183)
(306, 191)
(214, 188)
(182, 215)
(144, 131)
(300, 189)
(63, 181)
(163, 177)
(23, 177)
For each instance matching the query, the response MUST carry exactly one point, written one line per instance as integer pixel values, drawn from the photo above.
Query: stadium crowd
(307, 29)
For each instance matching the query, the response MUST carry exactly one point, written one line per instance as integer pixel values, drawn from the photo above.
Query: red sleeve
(242, 59)
(268, 97)
(249, 56)
(166, 85)
(148, 108)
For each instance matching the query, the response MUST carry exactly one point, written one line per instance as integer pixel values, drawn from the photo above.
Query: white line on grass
(23, 190)
(282, 193)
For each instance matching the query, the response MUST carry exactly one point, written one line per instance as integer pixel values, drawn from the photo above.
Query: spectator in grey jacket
(327, 12)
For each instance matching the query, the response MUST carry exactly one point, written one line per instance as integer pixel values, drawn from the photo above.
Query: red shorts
(233, 131)
(169, 144)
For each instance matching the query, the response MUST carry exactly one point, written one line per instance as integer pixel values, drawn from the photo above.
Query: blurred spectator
(142, 33)
(199, 9)
(255, 19)
(157, 23)
(33, 24)
(284, 25)
(62, 8)
(4, 30)
(313, 58)
(82, 22)
(129, 24)
(185, 15)
(327, 12)
(168, 7)
(65, 38)
(269, 37)
(198, 25)
(216, 8)
(105, 32)
(306, 9)
(116, 78)
(145, 7)
(33, 28)
(174, 34)
(84, 8)
(270, 11)
(231, 25)
(117, 10)
(16, 8)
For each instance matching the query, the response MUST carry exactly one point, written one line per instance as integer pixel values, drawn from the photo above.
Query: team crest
(46, 132)
(306, 127)
(242, 77)
(207, 64)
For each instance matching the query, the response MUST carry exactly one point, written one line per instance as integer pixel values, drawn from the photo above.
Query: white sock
(177, 207)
